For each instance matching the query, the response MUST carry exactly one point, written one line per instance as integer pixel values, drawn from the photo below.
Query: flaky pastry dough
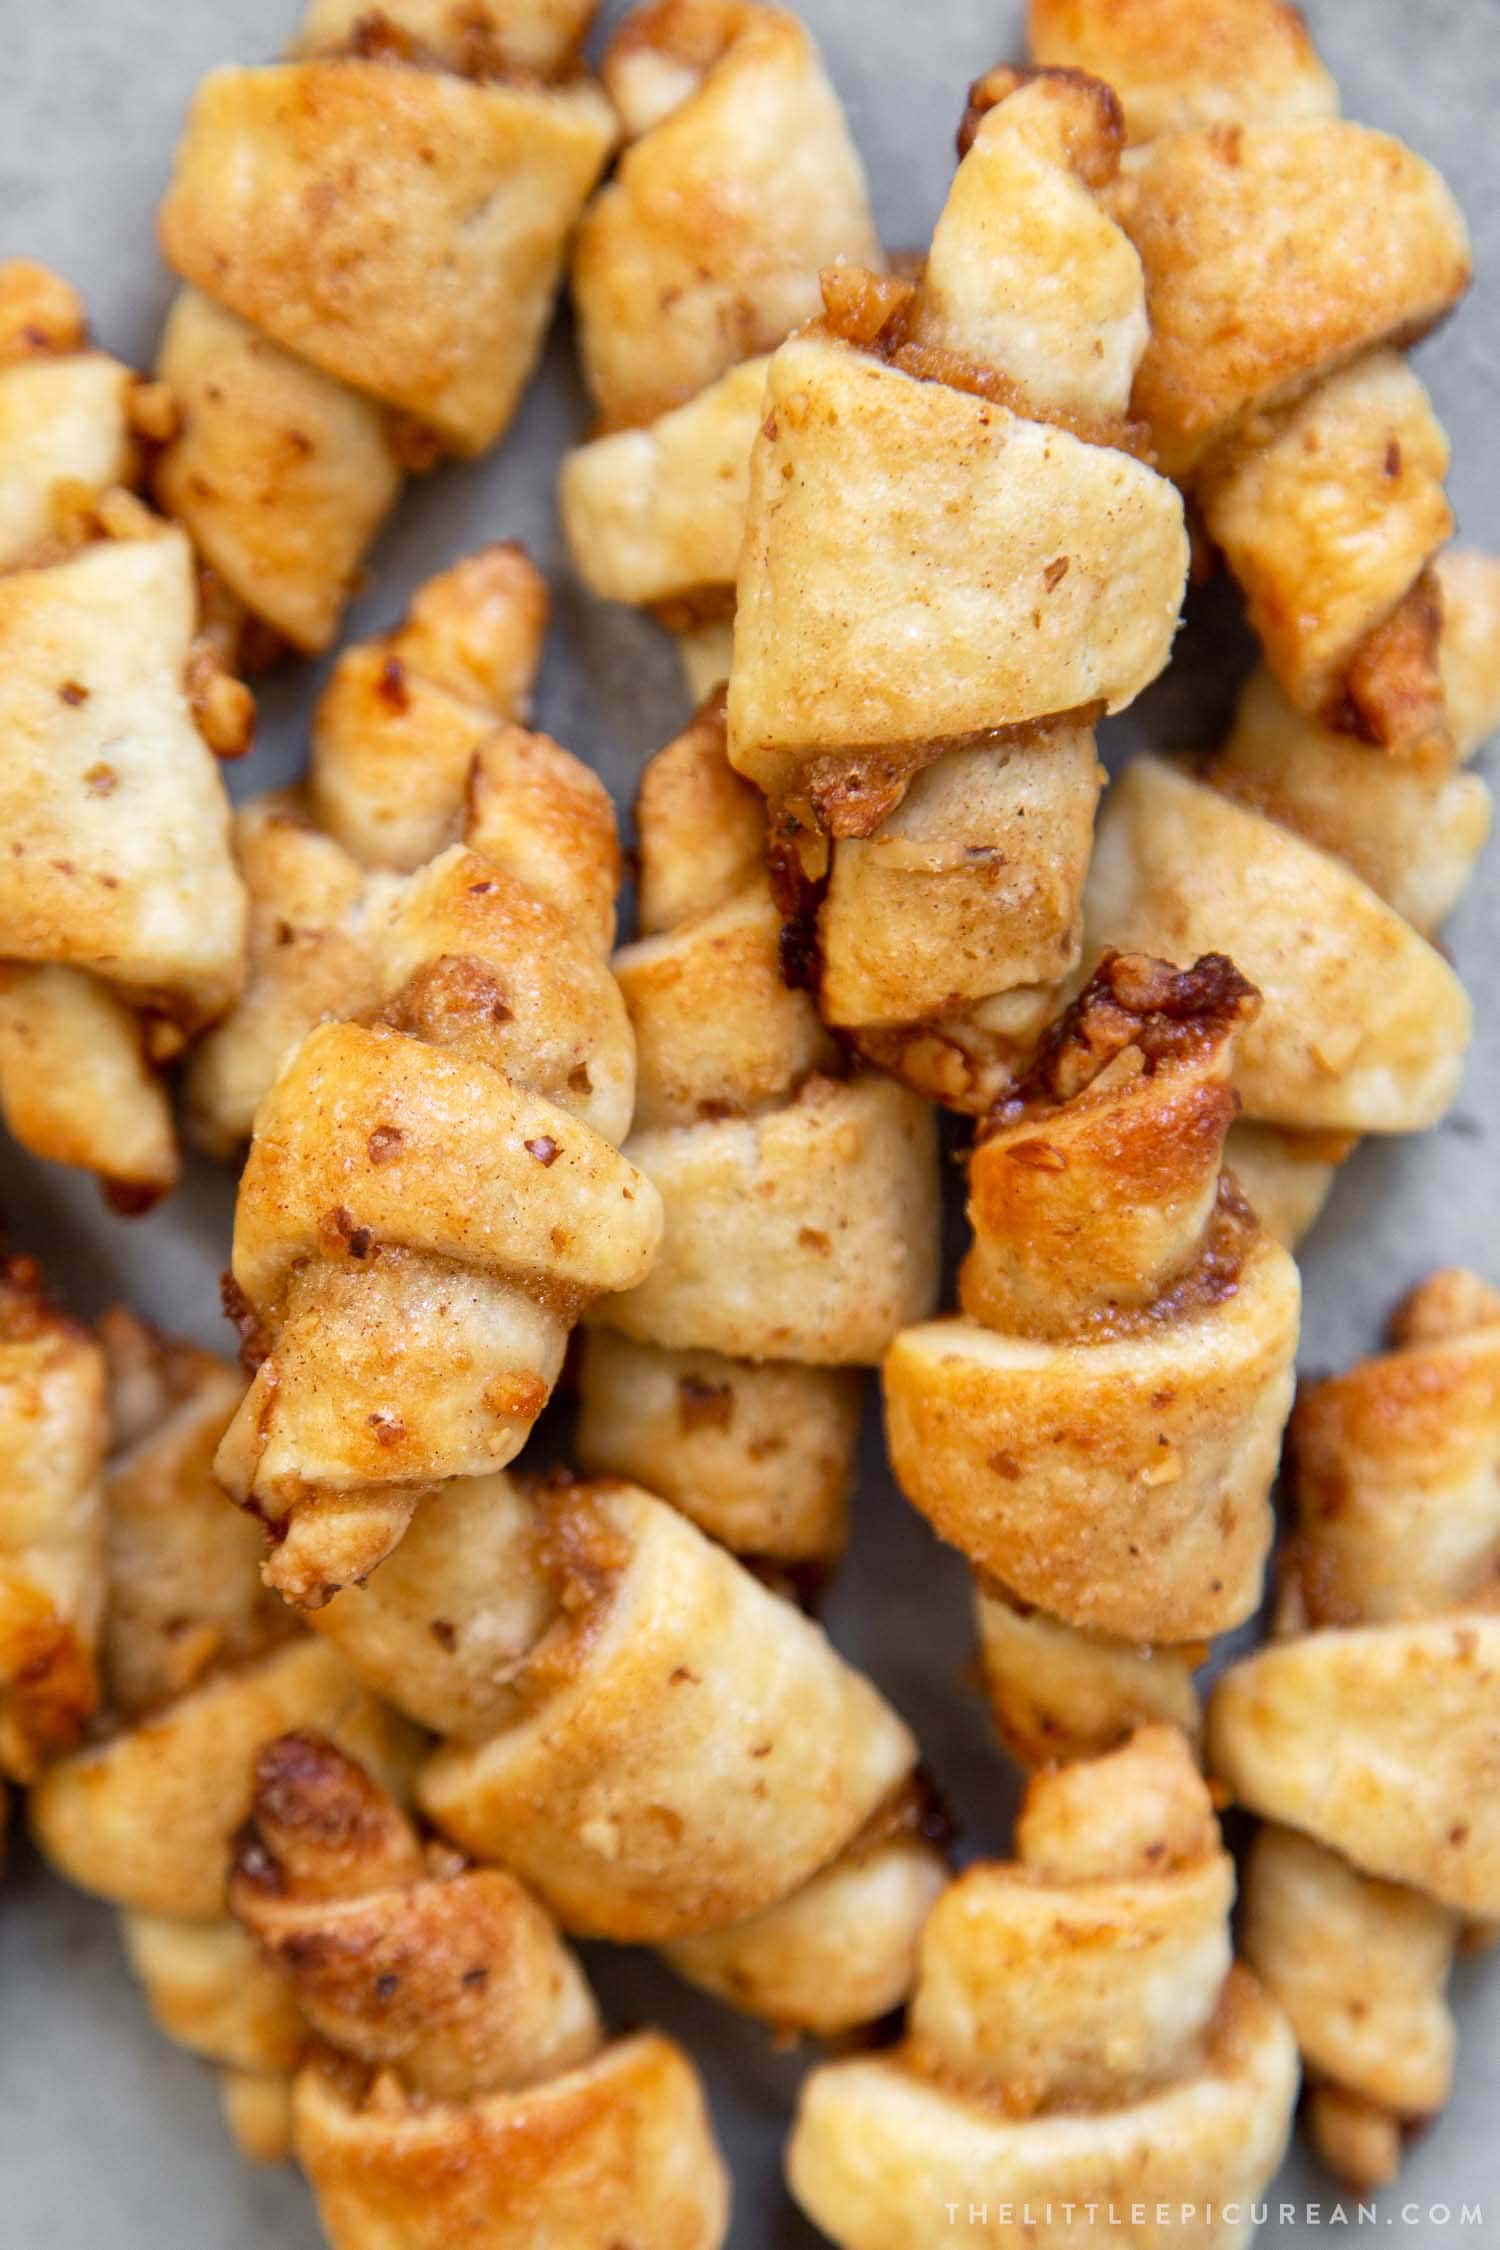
(443, 1067)
(1098, 1429)
(801, 1198)
(1079, 2040)
(52, 1440)
(952, 563)
(664, 1750)
(415, 746)
(371, 233)
(1323, 865)
(200, 1667)
(121, 914)
(1365, 1730)
(1289, 255)
(462, 2089)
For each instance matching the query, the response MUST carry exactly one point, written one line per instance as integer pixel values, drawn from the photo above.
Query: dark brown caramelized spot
(1131, 1000)
(1094, 151)
(793, 852)
(582, 1554)
(914, 1807)
(417, 446)
(255, 1344)
(25, 1312)
(703, 1405)
(447, 999)
(859, 306)
(319, 1827)
(1392, 693)
(804, 1583)
(692, 606)
(340, 1234)
(131, 1199)
(392, 686)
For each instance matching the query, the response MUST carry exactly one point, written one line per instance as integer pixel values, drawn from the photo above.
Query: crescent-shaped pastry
(1098, 1429)
(416, 746)
(1079, 2038)
(1323, 864)
(953, 562)
(443, 1069)
(1289, 256)
(371, 232)
(1363, 1027)
(801, 1196)
(1366, 1729)
(52, 1440)
(201, 1666)
(463, 2089)
(738, 185)
(654, 1742)
(121, 913)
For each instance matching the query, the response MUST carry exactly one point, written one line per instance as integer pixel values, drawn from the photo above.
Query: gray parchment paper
(109, 2138)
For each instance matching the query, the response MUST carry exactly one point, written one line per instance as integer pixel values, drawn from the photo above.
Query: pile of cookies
(357, 1710)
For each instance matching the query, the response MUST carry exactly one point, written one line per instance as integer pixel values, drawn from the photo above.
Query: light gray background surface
(110, 2139)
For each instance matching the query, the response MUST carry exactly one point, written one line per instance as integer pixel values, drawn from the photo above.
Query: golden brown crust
(659, 1746)
(281, 474)
(1315, 458)
(800, 1201)
(738, 184)
(655, 515)
(1393, 690)
(184, 1591)
(372, 233)
(688, 1749)
(51, 1524)
(623, 2141)
(475, 38)
(370, 1278)
(932, 819)
(1065, 2004)
(1057, 1693)
(414, 747)
(1328, 513)
(1363, 1025)
(1176, 64)
(1377, 1694)
(40, 313)
(144, 1816)
(760, 1454)
(1388, 1631)
(208, 1989)
(406, 713)
(400, 1029)
(1098, 1430)
(452, 1980)
(121, 914)
(1410, 827)
(325, 202)
(200, 1667)
(1360, 1966)
(1256, 245)
(69, 417)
